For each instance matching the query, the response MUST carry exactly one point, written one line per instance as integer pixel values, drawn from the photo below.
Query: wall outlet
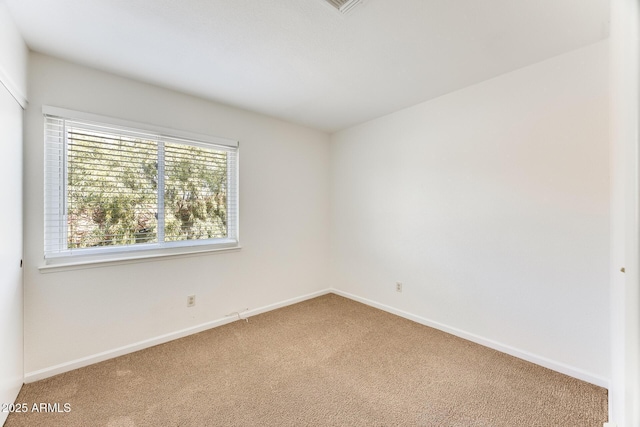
(191, 300)
(398, 286)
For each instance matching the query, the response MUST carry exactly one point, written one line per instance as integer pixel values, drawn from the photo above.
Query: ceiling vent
(343, 6)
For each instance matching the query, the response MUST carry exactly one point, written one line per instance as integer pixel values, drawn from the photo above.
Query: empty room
(319, 212)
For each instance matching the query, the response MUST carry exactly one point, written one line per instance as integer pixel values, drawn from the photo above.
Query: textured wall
(491, 205)
(77, 314)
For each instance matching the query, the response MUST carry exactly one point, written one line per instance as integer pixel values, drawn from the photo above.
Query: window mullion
(160, 232)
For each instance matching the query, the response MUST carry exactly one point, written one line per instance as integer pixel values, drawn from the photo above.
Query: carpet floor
(328, 361)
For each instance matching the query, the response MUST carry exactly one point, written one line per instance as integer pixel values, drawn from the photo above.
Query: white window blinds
(111, 188)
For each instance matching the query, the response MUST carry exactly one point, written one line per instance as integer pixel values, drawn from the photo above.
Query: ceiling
(301, 60)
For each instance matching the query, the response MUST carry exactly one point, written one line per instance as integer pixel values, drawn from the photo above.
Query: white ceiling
(301, 60)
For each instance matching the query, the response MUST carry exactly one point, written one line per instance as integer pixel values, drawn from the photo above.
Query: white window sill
(130, 258)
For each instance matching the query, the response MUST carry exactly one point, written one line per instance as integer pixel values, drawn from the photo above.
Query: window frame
(65, 256)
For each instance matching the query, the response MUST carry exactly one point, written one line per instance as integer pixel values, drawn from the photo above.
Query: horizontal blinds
(108, 187)
(54, 186)
(111, 186)
(196, 192)
(232, 195)
(138, 129)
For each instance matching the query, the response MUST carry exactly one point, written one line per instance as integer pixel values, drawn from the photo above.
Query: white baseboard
(41, 374)
(529, 357)
(110, 354)
(9, 397)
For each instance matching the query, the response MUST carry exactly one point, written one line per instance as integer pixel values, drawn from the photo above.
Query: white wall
(13, 56)
(78, 314)
(624, 393)
(491, 205)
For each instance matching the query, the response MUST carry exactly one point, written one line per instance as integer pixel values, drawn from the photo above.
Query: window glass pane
(195, 198)
(111, 189)
(116, 189)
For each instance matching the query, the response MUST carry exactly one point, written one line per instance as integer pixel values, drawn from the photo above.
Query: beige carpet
(324, 362)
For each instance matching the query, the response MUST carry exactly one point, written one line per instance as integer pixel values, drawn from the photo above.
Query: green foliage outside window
(113, 195)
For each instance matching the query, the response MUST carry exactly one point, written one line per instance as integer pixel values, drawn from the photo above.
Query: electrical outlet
(398, 286)
(191, 300)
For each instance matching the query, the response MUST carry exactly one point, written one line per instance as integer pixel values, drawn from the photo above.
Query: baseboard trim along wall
(141, 345)
(41, 374)
(503, 348)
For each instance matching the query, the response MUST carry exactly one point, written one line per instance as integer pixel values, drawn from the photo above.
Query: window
(112, 187)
